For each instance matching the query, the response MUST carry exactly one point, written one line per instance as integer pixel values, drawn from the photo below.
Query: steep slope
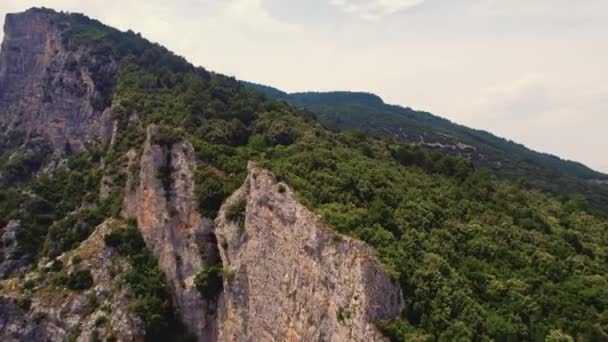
(173, 229)
(476, 258)
(50, 89)
(291, 278)
(368, 113)
(50, 305)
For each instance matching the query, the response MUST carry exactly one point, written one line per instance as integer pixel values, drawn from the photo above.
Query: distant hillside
(368, 113)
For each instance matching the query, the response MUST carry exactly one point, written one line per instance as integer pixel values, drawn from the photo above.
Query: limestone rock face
(9, 260)
(49, 90)
(289, 278)
(172, 228)
(57, 313)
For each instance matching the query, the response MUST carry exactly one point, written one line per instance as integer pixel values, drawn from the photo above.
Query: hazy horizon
(533, 73)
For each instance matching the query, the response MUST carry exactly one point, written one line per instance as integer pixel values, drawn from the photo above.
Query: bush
(167, 135)
(29, 284)
(76, 259)
(79, 280)
(57, 265)
(152, 300)
(24, 303)
(210, 192)
(209, 282)
(236, 214)
(236, 211)
(343, 314)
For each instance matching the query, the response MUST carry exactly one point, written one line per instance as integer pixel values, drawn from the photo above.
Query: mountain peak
(363, 98)
(50, 87)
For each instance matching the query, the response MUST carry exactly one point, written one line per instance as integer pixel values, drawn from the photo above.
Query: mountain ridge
(342, 110)
(372, 98)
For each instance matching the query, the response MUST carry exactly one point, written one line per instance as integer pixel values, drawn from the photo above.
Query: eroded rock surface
(289, 278)
(55, 313)
(49, 90)
(10, 261)
(167, 215)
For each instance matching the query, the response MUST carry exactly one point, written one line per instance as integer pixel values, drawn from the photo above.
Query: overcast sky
(534, 71)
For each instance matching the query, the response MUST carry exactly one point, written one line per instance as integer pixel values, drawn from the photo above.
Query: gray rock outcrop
(172, 228)
(49, 90)
(46, 312)
(10, 261)
(290, 278)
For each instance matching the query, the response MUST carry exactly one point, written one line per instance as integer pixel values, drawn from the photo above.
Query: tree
(210, 281)
(558, 336)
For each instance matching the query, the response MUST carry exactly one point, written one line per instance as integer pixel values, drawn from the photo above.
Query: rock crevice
(167, 215)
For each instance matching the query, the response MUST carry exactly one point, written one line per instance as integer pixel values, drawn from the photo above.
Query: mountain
(144, 198)
(368, 113)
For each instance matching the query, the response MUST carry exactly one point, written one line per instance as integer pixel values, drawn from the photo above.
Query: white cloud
(374, 9)
(253, 14)
(540, 112)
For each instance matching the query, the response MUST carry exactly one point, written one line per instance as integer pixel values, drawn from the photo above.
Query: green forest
(478, 257)
(342, 110)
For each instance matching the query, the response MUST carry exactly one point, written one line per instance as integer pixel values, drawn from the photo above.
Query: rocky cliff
(286, 275)
(48, 89)
(35, 308)
(11, 261)
(165, 208)
(290, 278)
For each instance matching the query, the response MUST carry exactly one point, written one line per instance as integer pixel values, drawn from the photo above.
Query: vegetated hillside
(476, 257)
(368, 113)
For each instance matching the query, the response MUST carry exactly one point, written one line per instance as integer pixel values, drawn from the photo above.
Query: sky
(533, 71)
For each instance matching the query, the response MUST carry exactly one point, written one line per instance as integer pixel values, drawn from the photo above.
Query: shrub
(401, 331)
(210, 282)
(558, 336)
(236, 211)
(60, 279)
(236, 214)
(209, 191)
(29, 284)
(79, 280)
(76, 259)
(114, 239)
(57, 265)
(167, 135)
(24, 303)
(152, 301)
(343, 314)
